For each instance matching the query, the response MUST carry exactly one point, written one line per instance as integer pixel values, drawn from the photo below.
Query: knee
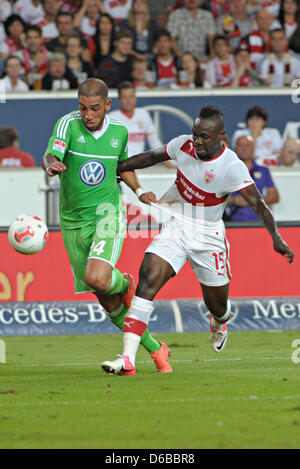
(148, 282)
(100, 283)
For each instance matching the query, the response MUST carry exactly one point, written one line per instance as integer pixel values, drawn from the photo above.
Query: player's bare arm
(255, 200)
(51, 165)
(130, 178)
(143, 160)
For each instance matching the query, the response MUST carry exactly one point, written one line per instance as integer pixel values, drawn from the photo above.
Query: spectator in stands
(279, 68)
(164, 63)
(15, 31)
(160, 10)
(48, 22)
(138, 121)
(293, 30)
(118, 10)
(10, 154)
(189, 64)
(245, 74)
(65, 27)
(258, 41)
(143, 28)
(101, 45)
(31, 11)
(267, 141)
(13, 72)
(192, 29)
(58, 77)
(290, 152)
(87, 17)
(236, 23)
(117, 67)
(289, 16)
(221, 70)
(80, 68)
(238, 208)
(140, 69)
(34, 57)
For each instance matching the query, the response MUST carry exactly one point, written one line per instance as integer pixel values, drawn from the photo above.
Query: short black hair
(10, 20)
(162, 33)
(124, 33)
(219, 37)
(211, 112)
(257, 111)
(277, 30)
(34, 27)
(64, 13)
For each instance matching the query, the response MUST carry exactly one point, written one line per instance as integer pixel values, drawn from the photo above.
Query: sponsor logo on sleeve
(59, 145)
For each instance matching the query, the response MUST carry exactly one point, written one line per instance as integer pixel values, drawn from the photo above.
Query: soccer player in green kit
(84, 150)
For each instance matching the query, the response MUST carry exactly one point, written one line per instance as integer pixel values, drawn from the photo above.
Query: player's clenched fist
(148, 198)
(56, 167)
(283, 249)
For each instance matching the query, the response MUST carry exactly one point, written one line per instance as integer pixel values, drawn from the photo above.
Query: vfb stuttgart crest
(92, 173)
(209, 176)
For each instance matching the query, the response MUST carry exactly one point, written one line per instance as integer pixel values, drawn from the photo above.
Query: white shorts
(206, 248)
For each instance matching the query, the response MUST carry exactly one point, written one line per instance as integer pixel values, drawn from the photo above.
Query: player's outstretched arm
(143, 160)
(51, 165)
(130, 178)
(252, 195)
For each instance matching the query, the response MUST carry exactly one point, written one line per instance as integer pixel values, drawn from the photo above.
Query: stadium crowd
(56, 45)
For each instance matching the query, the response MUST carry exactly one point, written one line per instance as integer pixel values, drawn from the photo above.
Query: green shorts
(103, 241)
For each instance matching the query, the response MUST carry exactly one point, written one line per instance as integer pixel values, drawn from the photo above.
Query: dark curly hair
(211, 112)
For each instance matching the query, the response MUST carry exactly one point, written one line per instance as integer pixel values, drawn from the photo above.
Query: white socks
(135, 324)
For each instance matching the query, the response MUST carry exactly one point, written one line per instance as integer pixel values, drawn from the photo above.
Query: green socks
(119, 283)
(147, 341)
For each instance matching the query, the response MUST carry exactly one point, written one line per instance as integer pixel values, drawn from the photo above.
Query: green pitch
(53, 394)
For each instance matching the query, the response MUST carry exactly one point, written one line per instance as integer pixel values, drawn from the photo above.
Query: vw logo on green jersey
(92, 173)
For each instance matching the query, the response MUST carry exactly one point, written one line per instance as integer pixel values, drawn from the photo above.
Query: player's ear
(108, 105)
(222, 134)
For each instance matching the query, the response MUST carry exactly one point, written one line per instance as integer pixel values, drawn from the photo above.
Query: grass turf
(53, 394)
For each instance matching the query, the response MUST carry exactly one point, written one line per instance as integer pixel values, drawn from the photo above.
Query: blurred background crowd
(170, 44)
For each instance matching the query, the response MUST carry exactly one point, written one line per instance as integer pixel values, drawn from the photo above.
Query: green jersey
(91, 159)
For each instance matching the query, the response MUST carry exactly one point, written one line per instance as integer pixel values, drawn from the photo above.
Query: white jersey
(140, 130)
(206, 184)
(29, 12)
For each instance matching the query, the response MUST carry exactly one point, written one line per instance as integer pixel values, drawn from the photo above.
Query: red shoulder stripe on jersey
(189, 148)
(194, 195)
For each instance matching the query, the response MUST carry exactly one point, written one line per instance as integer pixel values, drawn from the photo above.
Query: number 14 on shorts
(97, 248)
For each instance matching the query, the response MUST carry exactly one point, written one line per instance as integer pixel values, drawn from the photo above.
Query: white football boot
(218, 337)
(120, 366)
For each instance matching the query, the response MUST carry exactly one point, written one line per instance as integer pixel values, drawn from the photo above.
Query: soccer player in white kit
(208, 172)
